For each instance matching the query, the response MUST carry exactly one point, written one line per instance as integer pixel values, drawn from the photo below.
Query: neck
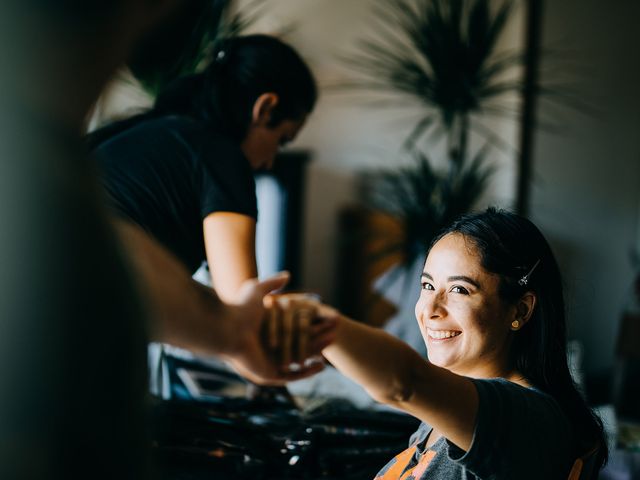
(499, 368)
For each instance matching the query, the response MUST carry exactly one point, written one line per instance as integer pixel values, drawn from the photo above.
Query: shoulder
(518, 429)
(214, 144)
(184, 130)
(517, 407)
(179, 123)
(158, 130)
(221, 156)
(499, 391)
(224, 176)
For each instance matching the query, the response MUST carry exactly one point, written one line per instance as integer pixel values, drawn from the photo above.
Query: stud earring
(515, 325)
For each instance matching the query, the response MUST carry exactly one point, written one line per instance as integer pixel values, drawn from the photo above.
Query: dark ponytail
(223, 94)
(246, 67)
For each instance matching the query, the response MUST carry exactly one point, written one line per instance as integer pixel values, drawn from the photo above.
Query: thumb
(275, 282)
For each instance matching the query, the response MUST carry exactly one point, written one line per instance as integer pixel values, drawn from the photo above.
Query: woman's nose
(436, 306)
(431, 306)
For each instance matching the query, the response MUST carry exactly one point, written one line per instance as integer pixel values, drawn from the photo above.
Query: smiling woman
(496, 399)
(461, 315)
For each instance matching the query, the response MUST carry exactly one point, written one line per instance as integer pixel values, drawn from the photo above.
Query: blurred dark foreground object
(627, 375)
(237, 438)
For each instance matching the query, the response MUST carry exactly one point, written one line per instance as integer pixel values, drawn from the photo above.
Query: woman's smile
(443, 334)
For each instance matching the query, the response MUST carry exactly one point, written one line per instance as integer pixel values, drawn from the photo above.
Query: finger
(321, 342)
(267, 300)
(287, 331)
(326, 312)
(270, 284)
(306, 372)
(311, 361)
(274, 324)
(276, 381)
(304, 323)
(304, 311)
(322, 326)
(270, 377)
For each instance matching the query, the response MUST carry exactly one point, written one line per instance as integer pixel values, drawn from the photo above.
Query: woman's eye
(459, 289)
(427, 286)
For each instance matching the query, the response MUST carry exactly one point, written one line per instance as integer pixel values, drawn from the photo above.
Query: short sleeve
(226, 181)
(520, 433)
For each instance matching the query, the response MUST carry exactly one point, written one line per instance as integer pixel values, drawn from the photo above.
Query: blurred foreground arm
(185, 313)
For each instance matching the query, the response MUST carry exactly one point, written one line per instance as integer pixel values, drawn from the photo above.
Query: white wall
(587, 179)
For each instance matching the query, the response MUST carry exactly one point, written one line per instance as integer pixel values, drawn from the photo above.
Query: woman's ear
(523, 311)
(263, 108)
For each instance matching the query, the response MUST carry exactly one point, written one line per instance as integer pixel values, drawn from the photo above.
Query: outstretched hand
(297, 329)
(268, 364)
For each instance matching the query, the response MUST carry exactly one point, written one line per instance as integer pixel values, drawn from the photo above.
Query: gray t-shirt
(521, 433)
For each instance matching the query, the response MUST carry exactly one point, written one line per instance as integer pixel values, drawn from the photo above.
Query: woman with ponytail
(183, 171)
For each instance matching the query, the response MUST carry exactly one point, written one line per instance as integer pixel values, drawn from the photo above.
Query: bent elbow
(397, 392)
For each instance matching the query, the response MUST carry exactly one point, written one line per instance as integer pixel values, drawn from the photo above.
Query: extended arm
(395, 374)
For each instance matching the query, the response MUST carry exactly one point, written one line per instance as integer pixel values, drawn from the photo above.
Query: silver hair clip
(524, 280)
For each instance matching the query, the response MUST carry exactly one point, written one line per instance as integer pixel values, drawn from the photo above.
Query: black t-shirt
(167, 174)
(520, 433)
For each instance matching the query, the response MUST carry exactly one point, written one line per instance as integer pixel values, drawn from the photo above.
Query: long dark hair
(510, 246)
(225, 92)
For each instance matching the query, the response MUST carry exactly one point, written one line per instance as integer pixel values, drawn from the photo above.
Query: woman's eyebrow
(464, 278)
(454, 278)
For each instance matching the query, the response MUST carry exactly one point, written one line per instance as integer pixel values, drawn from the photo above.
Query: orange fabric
(396, 469)
(424, 462)
(576, 470)
(583, 466)
(401, 461)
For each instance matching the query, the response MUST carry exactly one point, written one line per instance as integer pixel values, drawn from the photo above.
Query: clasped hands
(296, 329)
(282, 339)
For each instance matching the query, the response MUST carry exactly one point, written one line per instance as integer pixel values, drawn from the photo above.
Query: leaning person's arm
(395, 374)
(231, 251)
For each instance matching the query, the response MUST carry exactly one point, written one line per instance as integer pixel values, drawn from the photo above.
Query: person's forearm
(394, 373)
(184, 312)
(381, 363)
(231, 251)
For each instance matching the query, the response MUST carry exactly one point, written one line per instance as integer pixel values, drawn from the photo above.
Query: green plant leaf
(185, 42)
(440, 52)
(424, 199)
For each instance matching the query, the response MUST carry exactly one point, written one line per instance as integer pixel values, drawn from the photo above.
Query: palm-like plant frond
(424, 199)
(186, 41)
(236, 23)
(440, 52)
